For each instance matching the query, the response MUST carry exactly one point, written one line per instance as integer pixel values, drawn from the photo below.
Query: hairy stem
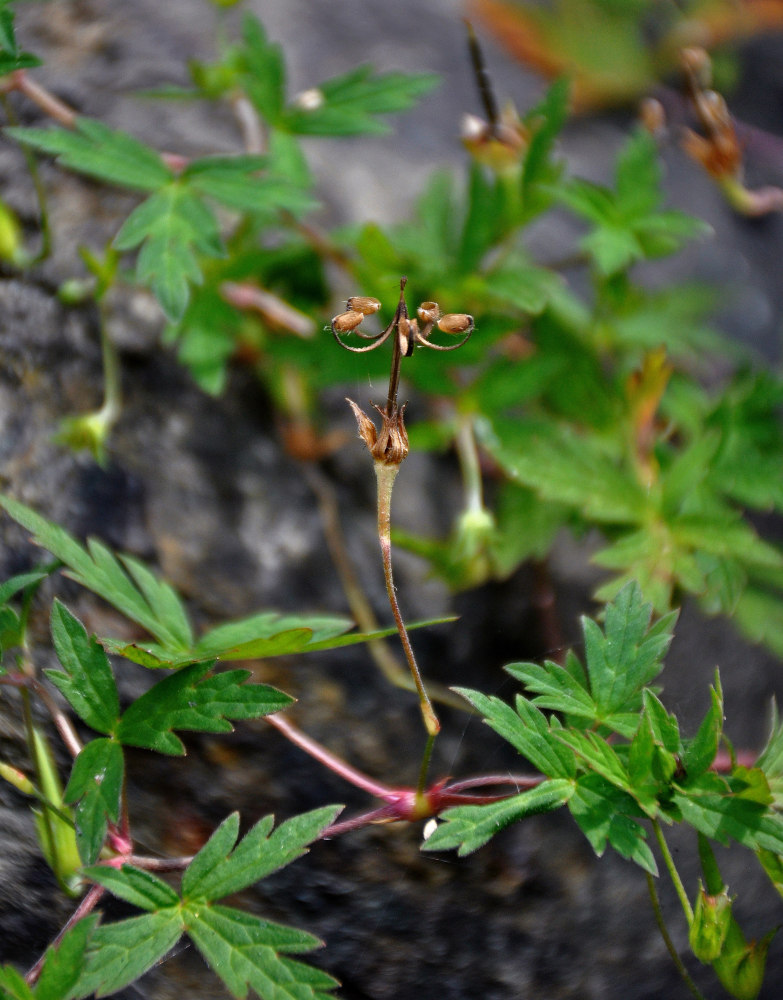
(38, 186)
(386, 475)
(389, 665)
(469, 464)
(659, 920)
(93, 896)
(668, 861)
(320, 753)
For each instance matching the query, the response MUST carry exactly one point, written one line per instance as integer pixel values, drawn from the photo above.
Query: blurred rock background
(201, 488)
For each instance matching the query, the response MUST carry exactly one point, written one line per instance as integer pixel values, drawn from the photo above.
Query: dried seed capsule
(347, 321)
(455, 323)
(364, 304)
(696, 62)
(652, 116)
(428, 312)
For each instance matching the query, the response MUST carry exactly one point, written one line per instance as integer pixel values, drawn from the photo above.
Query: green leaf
(546, 122)
(172, 225)
(192, 701)
(137, 887)
(261, 69)
(628, 225)
(120, 953)
(11, 58)
(607, 814)
(88, 681)
(220, 869)
(231, 637)
(235, 182)
(527, 730)
(124, 582)
(555, 688)
(64, 962)
(699, 753)
(597, 755)
(260, 636)
(13, 985)
(94, 149)
(349, 104)
(713, 807)
(526, 287)
(246, 953)
(566, 467)
(20, 582)
(95, 786)
(469, 827)
(627, 654)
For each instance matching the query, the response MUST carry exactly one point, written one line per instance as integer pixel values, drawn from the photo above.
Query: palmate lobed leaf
(130, 587)
(563, 466)
(608, 815)
(527, 730)
(627, 654)
(248, 953)
(121, 952)
(350, 103)
(95, 787)
(87, 681)
(94, 149)
(220, 868)
(303, 634)
(244, 950)
(195, 700)
(172, 226)
(63, 963)
(122, 581)
(470, 827)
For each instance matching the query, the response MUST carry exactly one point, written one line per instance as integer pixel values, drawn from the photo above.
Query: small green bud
(710, 925)
(88, 431)
(741, 970)
(75, 291)
(10, 236)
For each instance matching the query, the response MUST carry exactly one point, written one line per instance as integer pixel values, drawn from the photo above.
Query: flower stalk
(389, 445)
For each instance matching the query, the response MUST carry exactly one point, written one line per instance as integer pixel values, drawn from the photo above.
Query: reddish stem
(91, 899)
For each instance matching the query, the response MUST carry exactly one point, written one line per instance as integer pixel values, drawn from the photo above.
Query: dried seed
(347, 321)
(455, 323)
(364, 304)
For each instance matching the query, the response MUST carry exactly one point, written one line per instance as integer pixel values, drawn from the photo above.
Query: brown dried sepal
(428, 312)
(390, 444)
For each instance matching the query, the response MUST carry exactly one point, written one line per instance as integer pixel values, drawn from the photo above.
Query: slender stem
(421, 787)
(668, 860)
(396, 362)
(384, 658)
(519, 781)
(38, 186)
(326, 757)
(60, 719)
(112, 383)
(386, 475)
(35, 750)
(45, 99)
(383, 814)
(656, 905)
(88, 904)
(469, 464)
(160, 864)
